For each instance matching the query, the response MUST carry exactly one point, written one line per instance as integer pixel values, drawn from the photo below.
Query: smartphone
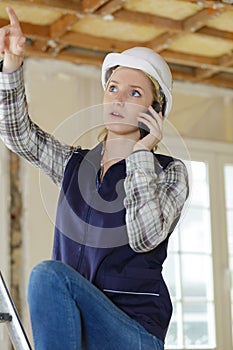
(144, 130)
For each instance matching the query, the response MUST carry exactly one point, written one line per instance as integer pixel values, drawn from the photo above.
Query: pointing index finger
(12, 16)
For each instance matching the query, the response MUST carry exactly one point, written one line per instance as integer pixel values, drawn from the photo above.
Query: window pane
(172, 270)
(196, 326)
(200, 190)
(195, 231)
(172, 337)
(196, 276)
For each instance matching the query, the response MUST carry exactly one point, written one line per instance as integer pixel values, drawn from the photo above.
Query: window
(200, 255)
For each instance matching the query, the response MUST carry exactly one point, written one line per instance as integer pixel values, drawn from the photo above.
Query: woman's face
(129, 91)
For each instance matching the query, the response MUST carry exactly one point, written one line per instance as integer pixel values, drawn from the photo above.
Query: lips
(116, 115)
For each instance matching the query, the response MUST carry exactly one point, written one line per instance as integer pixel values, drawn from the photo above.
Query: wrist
(11, 63)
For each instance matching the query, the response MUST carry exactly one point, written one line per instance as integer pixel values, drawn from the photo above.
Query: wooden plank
(68, 5)
(110, 8)
(224, 82)
(60, 27)
(219, 81)
(40, 45)
(95, 43)
(146, 18)
(30, 30)
(189, 60)
(3, 22)
(34, 30)
(216, 33)
(201, 73)
(162, 41)
(211, 4)
(226, 60)
(224, 65)
(199, 19)
(89, 6)
(67, 56)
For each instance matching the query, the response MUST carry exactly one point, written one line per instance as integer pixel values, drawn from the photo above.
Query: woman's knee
(42, 278)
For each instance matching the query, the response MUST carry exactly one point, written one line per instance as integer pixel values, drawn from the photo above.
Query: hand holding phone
(143, 128)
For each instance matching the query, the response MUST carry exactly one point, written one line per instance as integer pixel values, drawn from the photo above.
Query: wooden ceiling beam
(39, 45)
(214, 81)
(146, 18)
(110, 7)
(226, 60)
(216, 33)
(67, 6)
(60, 27)
(35, 30)
(224, 63)
(67, 56)
(162, 41)
(219, 81)
(212, 4)
(87, 41)
(199, 19)
(125, 16)
(201, 73)
(90, 6)
(30, 30)
(190, 60)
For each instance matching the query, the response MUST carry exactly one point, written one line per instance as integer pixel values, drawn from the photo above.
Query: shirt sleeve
(23, 136)
(154, 198)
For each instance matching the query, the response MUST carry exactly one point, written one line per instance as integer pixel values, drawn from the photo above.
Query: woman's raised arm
(12, 43)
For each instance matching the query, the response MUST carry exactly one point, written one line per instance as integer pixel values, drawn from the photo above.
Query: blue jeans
(69, 313)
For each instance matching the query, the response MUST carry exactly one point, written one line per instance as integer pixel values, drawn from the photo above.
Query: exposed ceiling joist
(89, 6)
(196, 38)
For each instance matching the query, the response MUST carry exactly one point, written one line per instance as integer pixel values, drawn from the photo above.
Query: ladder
(9, 316)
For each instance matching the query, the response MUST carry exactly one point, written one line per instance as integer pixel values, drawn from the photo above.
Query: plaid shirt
(154, 199)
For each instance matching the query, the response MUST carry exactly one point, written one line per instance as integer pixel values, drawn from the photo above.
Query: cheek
(107, 97)
(134, 110)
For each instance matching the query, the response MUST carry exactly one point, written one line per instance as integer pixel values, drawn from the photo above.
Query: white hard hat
(146, 60)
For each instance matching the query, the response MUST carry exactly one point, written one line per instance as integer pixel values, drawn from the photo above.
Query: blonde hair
(102, 136)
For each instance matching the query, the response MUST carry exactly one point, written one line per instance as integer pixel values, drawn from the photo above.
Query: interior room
(66, 42)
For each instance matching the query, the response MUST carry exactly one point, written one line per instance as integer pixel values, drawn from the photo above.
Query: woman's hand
(12, 43)
(154, 121)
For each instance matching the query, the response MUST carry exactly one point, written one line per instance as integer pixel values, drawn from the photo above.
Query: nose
(120, 98)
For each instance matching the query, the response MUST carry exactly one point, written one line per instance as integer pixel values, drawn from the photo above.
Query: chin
(122, 129)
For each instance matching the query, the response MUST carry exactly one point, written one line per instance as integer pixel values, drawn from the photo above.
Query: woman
(118, 205)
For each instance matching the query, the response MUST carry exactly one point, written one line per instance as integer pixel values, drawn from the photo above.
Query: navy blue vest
(91, 236)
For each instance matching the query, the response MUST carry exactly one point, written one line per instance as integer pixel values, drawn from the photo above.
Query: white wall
(4, 231)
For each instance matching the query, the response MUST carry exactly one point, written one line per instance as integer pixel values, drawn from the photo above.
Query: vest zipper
(83, 245)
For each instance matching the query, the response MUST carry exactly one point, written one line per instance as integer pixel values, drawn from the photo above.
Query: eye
(112, 88)
(135, 93)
